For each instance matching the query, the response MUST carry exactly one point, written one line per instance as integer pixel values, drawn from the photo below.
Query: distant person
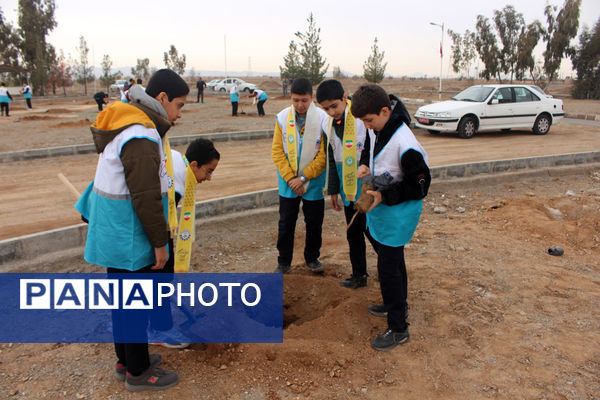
(261, 97)
(284, 86)
(234, 98)
(346, 136)
(101, 98)
(396, 165)
(5, 99)
(27, 94)
(298, 152)
(139, 82)
(200, 85)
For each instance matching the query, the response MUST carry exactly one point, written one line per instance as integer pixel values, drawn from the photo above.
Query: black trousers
(234, 106)
(4, 106)
(135, 356)
(100, 104)
(393, 281)
(28, 103)
(200, 96)
(260, 107)
(356, 240)
(313, 211)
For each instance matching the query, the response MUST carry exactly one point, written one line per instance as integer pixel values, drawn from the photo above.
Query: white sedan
(492, 107)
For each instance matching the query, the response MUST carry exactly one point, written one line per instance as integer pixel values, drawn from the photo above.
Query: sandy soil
(492, 315)
(33, 185)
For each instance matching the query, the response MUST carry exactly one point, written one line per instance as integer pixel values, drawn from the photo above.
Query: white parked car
(116, 87)
(492, 107)
(227, 83)
(213, 83)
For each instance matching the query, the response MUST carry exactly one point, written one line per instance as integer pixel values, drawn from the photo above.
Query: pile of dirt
(83, 122)
(37, 118)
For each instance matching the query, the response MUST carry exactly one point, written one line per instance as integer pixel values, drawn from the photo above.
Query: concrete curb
(30, 246)
(23, 155)
(587, 117)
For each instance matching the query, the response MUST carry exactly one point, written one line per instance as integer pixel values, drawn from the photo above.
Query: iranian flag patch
(348, 143)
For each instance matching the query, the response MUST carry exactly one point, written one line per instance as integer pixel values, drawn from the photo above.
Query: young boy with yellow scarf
(298, 152)
(345, 142)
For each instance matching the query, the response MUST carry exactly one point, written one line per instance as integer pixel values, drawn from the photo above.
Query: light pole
(441, 56)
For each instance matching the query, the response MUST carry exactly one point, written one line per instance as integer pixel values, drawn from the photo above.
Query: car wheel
(246, 89)
(432, 131)
(542, 125)
(222, 89)
(467, 127)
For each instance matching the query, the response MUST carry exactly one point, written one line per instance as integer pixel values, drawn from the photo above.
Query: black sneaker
(121, 370)
(283, 269)
(379, 310)
(315, 266)
(354, 282)
(153, 378)
(390, 339)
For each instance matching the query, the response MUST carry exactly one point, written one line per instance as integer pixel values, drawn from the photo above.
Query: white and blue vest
(4, 95)
(394, 225)
(27, 93)
(116, 237)
(337, 149)
(314, 191)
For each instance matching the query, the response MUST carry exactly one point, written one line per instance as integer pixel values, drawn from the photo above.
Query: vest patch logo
(349, 161)
(169, 181)
(187, 216)
(292, 123)
(290, 139)
(185, 235)
(349, 143)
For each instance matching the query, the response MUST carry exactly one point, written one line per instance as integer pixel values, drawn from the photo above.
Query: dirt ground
(492, 315)
(34, 186)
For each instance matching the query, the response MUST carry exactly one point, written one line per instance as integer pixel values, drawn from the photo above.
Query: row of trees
(305, 60)
(506, 47)
(26, 46)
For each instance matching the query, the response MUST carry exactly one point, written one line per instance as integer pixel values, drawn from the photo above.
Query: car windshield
(474, 93)
(537, 88)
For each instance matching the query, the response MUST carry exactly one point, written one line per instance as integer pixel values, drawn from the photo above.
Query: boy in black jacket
(392, 155)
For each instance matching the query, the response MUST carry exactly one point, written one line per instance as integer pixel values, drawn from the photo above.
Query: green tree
(107, 78)
(141, 69)
(509, 24)
(463, 50)
(10, 43)
(561, 29)
(60, 74)
(313, 64)
(487, 48)
(305, 60)
(586, 61)
(173, 61)
(374, 67)
(291, 63)
(36, 20)
(83, 71)
(528, 40)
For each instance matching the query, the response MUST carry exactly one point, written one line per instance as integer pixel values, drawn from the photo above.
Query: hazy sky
(257, 33)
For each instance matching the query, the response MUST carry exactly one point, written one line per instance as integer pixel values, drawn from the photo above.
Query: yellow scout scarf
(292, 139)
(172, 212)
(349, 181)
(187, 228)
(311, 134)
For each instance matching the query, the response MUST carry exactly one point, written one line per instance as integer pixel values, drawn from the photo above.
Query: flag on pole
(441, 53)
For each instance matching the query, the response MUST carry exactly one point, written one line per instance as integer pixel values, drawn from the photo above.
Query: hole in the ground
(306, 298)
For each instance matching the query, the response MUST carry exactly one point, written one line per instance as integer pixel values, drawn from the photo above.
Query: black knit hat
(168, 81)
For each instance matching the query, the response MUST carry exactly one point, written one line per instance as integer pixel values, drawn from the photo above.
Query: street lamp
(441, 56)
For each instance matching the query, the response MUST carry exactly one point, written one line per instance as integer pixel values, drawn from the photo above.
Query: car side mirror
(494, 101)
